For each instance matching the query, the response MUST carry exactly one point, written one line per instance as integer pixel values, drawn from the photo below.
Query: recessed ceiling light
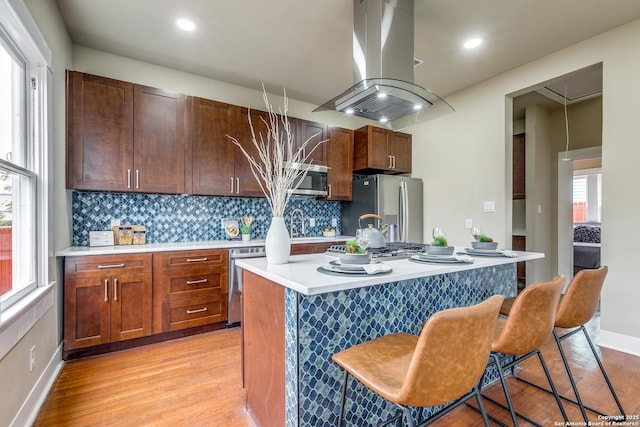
(185, 24)
(472, 43)
(384, 120)
(417, 107)
(382, 95)
(349, 111)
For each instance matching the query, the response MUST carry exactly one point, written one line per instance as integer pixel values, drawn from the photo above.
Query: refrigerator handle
(404, 211)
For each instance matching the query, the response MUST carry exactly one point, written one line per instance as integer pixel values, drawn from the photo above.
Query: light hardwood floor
(195, 381)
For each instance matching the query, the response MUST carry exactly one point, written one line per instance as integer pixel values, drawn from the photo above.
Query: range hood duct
(383, 64)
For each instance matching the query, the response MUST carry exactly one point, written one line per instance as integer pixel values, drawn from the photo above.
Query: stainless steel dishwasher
(234, 306)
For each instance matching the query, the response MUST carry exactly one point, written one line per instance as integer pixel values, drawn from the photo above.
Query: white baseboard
(619, 342)
(29, 410)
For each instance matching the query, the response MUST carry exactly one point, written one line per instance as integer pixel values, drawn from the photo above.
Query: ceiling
(305, 46)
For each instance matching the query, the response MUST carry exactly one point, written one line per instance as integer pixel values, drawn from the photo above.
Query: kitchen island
(295, 317)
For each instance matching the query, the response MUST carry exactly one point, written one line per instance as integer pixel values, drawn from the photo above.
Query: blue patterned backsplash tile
(181, 218)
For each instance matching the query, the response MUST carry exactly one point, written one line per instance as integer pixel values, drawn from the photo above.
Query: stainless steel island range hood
(383, 64)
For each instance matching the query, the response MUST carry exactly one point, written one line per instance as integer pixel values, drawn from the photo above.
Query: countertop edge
(300, 274)
(183, 246)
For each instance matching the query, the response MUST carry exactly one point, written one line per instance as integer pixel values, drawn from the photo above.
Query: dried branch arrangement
(273, 169)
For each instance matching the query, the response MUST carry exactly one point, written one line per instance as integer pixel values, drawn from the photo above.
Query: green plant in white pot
(275, 172)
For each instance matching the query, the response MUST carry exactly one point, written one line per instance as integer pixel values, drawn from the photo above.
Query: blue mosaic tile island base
(182, 218)
(320, 325)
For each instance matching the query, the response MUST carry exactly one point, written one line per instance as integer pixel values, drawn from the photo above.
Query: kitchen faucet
(293, 224)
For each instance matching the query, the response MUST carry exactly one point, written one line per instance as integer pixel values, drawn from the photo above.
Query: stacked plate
(490, 252)
(374, 267)
(444, 259)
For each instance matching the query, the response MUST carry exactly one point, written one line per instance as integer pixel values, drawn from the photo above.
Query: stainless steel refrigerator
(397, 199)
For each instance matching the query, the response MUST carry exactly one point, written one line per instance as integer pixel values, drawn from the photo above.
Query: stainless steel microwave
(314, 183)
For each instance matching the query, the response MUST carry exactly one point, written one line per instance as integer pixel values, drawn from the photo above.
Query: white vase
(278, 244)
(246, 237)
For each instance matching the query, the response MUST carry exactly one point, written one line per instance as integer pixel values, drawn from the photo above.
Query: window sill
(17, 320)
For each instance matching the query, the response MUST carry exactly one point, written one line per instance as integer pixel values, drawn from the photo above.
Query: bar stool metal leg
(344, 397)
(496, 360)
(553, 387)
(570, 375)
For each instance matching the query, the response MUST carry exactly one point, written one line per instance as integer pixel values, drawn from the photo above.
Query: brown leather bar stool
(441, 365)
(521, 335)
(577, 307)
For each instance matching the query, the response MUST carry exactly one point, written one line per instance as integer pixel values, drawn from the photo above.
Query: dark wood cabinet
(381, 150)
(189, 289)
(158, 143)
(99, 133)
(316, 148)
(340, 162)
(123, 137)
(106, 299)
(313, 248)
(209, 159)
(519, 189)
(244, 182)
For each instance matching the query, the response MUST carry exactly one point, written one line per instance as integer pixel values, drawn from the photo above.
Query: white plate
(483, 252)
(352, 269)
(444, 259)
(339, 266)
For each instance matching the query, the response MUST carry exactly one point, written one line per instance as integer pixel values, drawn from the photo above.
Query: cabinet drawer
(107, 265)
(172, 261)
(200, 282)
(187, 313)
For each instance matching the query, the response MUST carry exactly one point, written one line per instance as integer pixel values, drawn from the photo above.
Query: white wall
(19, 400)
(461, 158)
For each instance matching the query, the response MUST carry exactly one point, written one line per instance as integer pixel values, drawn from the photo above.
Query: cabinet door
(87, 312)
(318, 133)
(130, 306)
(378, 148)
(209, 164)
(158, 141)
(245, 183)
(340, 155)
(400, 148)
(99, 133)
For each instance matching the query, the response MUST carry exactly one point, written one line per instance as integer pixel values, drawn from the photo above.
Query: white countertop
(301, 274)
(183, 246)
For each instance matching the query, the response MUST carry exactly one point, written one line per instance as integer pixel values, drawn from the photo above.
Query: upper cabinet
(209, 159)
(340, 161)
(381, 150)
(123, 137)
(99, 133)
(316, 133)
(132, 138)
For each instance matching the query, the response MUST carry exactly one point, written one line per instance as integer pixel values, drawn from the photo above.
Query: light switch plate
(489, 206)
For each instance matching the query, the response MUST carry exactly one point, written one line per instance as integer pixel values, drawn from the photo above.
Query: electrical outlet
(334, 222)
(32, 358)
(312, 222)
(468, 223)
(115, 222)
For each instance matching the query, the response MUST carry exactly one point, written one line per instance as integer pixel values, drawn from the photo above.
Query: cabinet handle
(137, 179)
(231, 178)
(197, 259)
(106, 290)
(195, 282)
(394, 161)
(390, 162)
(128, 178)
(115, 289)
(200, 310)
(329, 195)
(111, 266)
(237, 185)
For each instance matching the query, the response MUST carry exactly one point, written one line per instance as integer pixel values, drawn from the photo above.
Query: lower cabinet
(189, 288)
(106, 299)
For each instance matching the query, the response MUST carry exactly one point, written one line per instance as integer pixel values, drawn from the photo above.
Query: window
(23, 142)
(587, 190)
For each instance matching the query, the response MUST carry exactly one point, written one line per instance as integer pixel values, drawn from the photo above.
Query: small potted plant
(439, 246)
(482, 241)
(245, 227)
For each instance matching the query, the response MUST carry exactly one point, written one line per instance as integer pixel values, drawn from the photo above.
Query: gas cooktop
(395, 250)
